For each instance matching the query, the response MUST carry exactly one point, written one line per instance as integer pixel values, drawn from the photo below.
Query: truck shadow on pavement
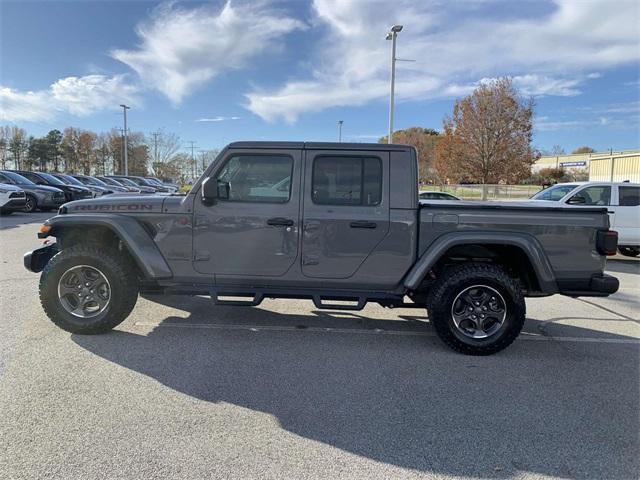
(554, 408)
(17, 219)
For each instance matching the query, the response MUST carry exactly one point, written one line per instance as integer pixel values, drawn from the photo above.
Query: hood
(39, 188)
(72, 188)
(116, 204)
(9, 188)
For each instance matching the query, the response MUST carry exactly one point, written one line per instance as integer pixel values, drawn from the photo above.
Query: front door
(346, 210)
(255, 231)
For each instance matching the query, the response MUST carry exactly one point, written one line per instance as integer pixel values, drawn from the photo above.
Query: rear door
(594, 196)
(627, 215)
(255, 231)
(346, 210)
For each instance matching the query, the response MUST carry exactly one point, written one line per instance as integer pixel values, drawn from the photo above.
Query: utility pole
(155, 146)
(392, 35)
(193, 161)
(126, 154)
(340, 122)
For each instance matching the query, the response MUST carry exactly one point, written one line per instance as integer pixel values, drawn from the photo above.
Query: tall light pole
(340, 122)
(392, 35)
(126, 153)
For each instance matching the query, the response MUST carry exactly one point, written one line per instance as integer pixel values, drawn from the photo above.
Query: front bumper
(51, 202)
(14, 205)
(81, 195)
(36, 260)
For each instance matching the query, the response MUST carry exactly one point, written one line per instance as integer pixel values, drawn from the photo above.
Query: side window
(32, 177)
(629, 196)
(599, 195)
(257, 178)
(5, 179)
(344, 180)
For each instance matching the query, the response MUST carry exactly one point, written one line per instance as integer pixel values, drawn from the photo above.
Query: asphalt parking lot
(184, 389)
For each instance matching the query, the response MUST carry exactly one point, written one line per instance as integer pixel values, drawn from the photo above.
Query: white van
(621, 199)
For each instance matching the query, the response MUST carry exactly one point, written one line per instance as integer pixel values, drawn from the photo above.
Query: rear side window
(346, 180)
(629, 196)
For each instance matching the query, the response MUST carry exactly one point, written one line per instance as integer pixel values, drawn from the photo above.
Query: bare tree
(584, 149)
(5, 135)
(488, 138)
(162, 147)
(205, 157)
(18, 145)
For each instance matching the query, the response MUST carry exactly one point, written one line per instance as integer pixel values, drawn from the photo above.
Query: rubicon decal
(126, 207)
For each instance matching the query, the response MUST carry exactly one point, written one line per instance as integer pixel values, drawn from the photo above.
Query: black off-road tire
(456, 280)
(113, 265)
(31, 204)
(629, 251)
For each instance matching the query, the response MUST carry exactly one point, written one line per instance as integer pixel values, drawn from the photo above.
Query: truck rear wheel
(629, 251)
(477, 309)
(88, 289)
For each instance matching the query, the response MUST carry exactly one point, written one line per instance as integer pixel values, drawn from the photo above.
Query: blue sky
(216, 72)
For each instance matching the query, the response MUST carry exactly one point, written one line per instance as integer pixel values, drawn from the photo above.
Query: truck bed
(566, 235)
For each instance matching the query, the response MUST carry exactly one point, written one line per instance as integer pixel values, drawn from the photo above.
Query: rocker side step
(323, 300)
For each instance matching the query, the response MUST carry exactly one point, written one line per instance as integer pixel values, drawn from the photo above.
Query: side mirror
(213, 189)
(577, 200)
(209, 191)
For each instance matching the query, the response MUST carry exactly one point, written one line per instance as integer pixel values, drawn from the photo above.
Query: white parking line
(377, 331)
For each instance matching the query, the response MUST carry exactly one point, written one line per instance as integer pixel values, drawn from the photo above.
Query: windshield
(69, 180)
(19, 179)
(154, 181)
(51, 179)
(92, 181)
(109, 181)
(126, 181)
(139, 181)
(554, 193)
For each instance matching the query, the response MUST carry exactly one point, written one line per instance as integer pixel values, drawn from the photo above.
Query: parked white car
(621, 199)
(12, 198)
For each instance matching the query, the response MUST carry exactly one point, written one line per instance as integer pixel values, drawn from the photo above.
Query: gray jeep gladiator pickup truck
(336, 223)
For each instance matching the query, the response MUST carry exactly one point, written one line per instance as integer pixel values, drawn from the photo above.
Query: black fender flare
(527, 243)
(141, 246)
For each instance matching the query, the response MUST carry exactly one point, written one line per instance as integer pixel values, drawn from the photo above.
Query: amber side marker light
(44, 231)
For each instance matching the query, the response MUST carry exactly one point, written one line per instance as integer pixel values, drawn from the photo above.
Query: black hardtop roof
(322, 145)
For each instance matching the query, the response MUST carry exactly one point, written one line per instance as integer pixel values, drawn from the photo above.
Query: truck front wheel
(476, 309)
(88, 289)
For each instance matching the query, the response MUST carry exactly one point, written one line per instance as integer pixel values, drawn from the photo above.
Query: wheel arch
(105, 228)
(523, 252)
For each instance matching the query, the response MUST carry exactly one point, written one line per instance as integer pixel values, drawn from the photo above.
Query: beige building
(600, 166)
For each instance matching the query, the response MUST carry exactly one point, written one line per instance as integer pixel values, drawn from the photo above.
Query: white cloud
(454, 47)
(16, 106)
(181, 49)
(79, 96)
(533, 84)
(84, 95)
(217, 119)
